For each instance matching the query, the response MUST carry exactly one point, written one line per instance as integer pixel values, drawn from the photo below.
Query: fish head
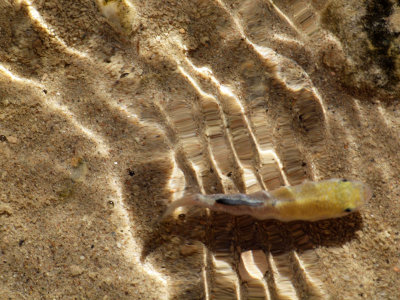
(350, 196)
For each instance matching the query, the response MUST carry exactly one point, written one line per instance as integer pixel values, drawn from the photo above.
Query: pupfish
(309, 201)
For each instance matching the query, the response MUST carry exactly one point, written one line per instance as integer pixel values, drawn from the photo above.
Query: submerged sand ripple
(110, 108)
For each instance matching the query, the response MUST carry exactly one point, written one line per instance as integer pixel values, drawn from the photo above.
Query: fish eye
(348, 210)
(344, 180)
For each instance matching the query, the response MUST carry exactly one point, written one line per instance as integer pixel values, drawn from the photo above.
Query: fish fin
(283, 193)
(184, 201)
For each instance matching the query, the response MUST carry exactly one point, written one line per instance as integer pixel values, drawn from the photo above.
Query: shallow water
(108, 111)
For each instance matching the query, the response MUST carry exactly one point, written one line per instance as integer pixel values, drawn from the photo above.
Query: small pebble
(12, 140)
(76, 270)
(5, 209)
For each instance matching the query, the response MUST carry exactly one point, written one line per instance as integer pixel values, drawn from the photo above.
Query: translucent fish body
(309, 201)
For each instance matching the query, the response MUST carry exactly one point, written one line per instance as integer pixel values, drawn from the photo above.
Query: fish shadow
(222, 232)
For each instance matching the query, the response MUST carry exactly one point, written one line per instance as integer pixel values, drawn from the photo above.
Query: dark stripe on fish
(236, 202)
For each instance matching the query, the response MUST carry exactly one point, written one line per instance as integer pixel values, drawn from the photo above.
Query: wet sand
(108, 111)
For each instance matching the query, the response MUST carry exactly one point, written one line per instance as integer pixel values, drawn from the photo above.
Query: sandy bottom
(110, 111)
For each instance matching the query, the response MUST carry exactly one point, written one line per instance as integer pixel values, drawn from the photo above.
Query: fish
(309, 201)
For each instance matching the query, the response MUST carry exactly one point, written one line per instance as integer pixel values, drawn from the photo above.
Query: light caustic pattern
(241, 134)
(232, 134)
(54, 104)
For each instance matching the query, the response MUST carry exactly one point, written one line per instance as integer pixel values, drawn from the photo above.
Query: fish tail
(189, 200)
